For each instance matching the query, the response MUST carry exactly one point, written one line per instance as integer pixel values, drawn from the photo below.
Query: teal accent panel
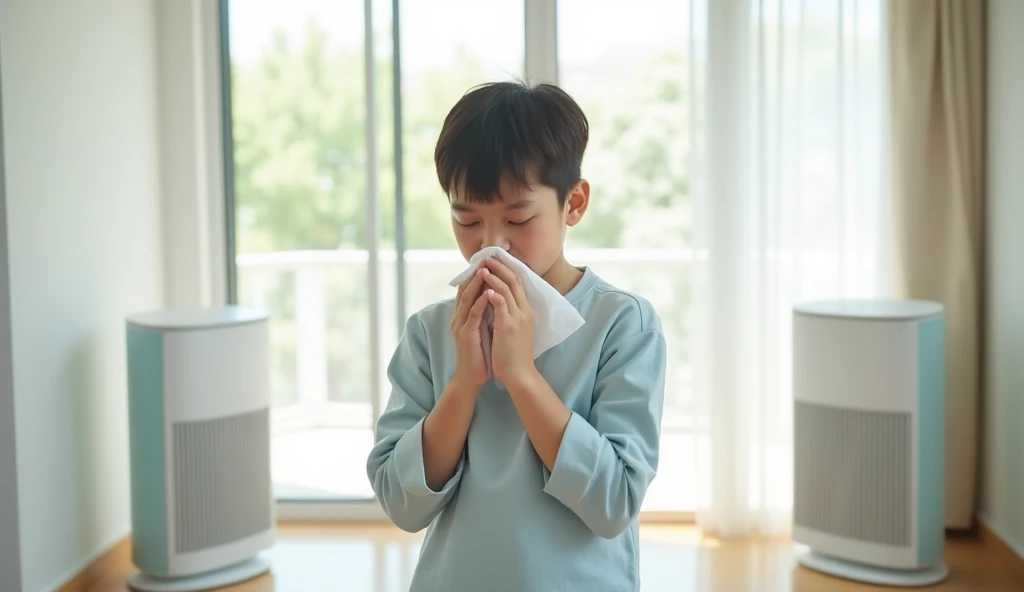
(146, 439)
(931, 441)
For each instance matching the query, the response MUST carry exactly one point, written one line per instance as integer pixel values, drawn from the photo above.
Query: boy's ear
(577, 202)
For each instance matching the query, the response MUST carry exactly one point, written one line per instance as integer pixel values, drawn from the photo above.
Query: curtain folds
(790, 195)
(936, 52)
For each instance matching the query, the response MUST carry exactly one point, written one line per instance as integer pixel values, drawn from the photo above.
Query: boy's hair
(509, 128)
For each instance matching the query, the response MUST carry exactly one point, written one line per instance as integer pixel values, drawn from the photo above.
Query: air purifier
(202, 506)
(868, 390)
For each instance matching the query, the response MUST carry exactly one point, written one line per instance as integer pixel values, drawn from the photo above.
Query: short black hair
(510, 128)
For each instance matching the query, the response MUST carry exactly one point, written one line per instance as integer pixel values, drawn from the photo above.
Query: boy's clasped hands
(494, 284)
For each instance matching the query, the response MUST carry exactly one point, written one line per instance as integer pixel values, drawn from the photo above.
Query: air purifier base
(232, 574)
(872, 574)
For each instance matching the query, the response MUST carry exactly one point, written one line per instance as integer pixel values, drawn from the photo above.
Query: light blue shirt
(503, 522)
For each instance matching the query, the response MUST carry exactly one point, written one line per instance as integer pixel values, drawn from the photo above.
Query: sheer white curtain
(790, 205)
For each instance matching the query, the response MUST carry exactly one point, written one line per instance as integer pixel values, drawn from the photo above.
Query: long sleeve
(605, 465)
(395, 465)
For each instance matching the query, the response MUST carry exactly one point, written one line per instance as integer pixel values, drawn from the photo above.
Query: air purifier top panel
(190, 319)
(881, 310)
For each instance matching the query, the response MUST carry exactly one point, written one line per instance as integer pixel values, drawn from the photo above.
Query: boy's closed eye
(470, 224)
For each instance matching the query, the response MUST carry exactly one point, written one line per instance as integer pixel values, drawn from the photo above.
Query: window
(341, 236)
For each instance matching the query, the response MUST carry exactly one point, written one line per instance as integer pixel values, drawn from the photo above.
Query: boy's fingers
(516, 296)
(499, 303)
(476, 313)
(502, 288)
(458, 304)
(466, 301)
(519, 293)
(462, 289)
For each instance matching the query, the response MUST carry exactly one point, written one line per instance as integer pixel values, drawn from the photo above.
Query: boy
(530, 476)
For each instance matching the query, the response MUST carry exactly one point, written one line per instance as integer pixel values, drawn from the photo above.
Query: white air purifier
(869, 395)
(199, 424)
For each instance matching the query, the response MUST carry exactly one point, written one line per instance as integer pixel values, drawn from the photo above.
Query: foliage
(300, 151)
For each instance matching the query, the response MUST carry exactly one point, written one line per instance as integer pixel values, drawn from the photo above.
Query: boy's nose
(495, 240)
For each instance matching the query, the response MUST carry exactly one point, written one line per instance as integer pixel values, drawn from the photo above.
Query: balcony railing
(323, 413)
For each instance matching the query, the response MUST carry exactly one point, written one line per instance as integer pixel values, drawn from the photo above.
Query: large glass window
(341, 236)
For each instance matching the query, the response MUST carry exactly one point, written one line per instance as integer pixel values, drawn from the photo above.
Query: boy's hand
(512, 348)
(470, 302)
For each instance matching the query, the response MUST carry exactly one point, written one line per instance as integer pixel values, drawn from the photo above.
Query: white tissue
(555, 319)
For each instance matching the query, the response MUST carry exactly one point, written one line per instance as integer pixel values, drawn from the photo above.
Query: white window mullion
(399, 172)
(541, 26)
(372, 212)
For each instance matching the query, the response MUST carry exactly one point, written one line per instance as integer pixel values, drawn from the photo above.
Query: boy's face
(525, 221)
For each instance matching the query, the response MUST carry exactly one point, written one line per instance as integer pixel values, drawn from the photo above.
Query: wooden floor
(311, 558)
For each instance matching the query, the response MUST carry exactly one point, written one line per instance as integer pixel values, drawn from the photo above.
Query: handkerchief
(555, 318)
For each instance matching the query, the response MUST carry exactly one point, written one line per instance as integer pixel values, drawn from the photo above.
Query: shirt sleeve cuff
(575, 464)
(408, 459)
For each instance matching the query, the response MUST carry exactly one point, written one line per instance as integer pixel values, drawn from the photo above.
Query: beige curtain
(936, 53)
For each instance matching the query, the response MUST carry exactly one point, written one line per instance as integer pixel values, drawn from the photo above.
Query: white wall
(1002, 492)
(81, 142)
(10, 541)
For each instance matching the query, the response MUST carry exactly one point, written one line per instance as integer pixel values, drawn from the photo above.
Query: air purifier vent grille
(853, 474)
(222, 483)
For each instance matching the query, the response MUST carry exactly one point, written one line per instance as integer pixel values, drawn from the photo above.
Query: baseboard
(110, 561)
(1009, 551)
